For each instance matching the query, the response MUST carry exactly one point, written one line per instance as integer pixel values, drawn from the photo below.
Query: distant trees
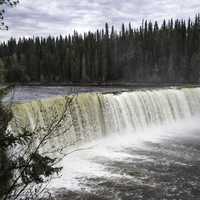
(2, 72)
(151, 53)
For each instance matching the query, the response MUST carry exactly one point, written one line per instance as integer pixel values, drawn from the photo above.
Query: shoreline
(106, 84)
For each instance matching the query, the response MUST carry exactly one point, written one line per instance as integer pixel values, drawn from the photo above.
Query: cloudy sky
(55, 17)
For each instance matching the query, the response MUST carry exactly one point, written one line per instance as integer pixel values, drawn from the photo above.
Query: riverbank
(106, 84)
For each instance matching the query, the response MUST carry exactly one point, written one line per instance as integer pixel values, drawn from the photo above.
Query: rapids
(141, 144)
(94, 115)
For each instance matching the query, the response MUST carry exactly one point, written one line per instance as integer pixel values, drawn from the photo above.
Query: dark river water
(158, 163)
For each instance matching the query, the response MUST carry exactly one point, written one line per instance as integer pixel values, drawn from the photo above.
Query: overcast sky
(55, 17)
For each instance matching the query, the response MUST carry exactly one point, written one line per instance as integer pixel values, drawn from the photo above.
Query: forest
(152, 53)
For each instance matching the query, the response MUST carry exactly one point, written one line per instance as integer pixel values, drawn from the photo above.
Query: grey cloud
(44, 17)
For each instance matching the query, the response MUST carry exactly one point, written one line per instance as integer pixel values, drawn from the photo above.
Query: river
(129, 145)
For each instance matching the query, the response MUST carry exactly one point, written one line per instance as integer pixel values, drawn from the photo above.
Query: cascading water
(94, 115)
(122, 166)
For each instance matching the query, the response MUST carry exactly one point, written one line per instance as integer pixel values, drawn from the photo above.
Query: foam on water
(106, 126)
(84, 164)
(95, 115)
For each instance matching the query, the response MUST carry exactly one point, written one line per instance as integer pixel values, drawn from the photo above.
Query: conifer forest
(157, 53)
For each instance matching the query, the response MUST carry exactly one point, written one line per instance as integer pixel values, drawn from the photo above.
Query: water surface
(158, 163)
(30, 93)
(132, 145)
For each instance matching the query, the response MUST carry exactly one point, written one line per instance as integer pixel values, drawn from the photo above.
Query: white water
(103, 126)
(92, 116)
(107, 131)
(90, 160)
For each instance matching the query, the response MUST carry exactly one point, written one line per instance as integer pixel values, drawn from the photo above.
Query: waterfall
(93, 115)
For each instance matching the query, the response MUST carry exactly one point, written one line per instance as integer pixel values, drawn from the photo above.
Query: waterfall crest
(94, 115)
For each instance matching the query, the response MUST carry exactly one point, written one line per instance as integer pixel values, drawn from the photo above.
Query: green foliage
(5, 174)
(39, 168)
(9, 140)
(27, 167)
(2, 72)
(150, 53)
(4, 3)
(9, 2)
(4, 90)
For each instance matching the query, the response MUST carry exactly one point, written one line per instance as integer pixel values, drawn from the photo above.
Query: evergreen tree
(150, 53)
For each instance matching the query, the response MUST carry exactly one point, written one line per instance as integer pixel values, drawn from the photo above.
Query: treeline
(151, 53)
